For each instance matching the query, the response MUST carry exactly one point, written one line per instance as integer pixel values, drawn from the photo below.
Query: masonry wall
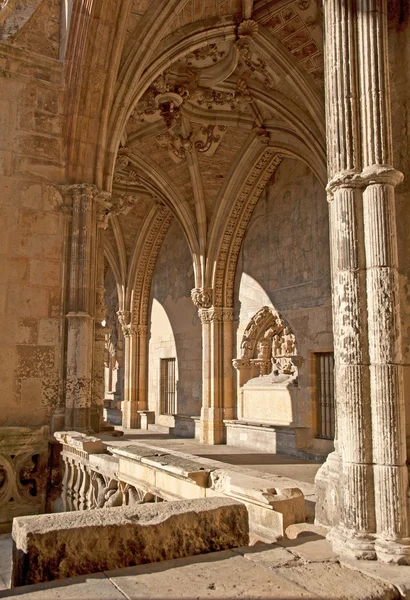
(285, 262)
(175, 330)
(31, 221)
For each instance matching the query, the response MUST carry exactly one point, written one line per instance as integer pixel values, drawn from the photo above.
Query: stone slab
(90, 587)
(397, 575)
(75, 543)
(332, 581)
(220, 575)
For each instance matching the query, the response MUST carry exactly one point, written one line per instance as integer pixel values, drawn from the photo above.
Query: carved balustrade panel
(90, 479)
(23, 472)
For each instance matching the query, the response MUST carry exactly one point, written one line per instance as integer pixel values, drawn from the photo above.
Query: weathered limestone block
(69, 544)
(271, 506)
(270, 509)
(23, 472)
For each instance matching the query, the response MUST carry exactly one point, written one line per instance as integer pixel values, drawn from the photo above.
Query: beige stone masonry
(24, 468)
(47, 547)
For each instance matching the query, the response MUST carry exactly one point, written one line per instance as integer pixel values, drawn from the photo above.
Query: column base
(393, 552)
(131, 418)
(327, 491)
(212, 429)
(352, 544)
(58, 421)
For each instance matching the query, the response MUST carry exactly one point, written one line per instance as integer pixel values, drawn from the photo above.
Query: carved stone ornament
(268, 345)
(215, 314)
(202, 297)
(123, 203)
(247, 29)
(124, 319)
(212, 51)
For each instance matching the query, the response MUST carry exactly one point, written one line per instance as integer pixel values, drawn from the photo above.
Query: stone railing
(24, 453)
(96, 476)
(90, 477)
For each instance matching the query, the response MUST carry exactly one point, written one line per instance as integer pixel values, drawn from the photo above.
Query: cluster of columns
(371, 436)
(217, 354)
(84, 395)
(135, 370)
(371, 430)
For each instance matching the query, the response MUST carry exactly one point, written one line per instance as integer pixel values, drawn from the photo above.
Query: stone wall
(175, 326)
(284, 262)
(32, 226)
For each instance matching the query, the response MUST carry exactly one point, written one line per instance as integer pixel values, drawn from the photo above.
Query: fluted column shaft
(386, 377)
(98, 387)
(356, 492)
(216, 373)
(87, 201)
(135, 371)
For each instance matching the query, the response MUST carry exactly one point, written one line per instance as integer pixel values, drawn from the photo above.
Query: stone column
(354, 533)
(135, 370)
(386, 376)
(98, 387)
(217, 393)
(81, 304)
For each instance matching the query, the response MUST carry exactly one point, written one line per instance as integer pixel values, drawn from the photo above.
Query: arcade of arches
(168, 169)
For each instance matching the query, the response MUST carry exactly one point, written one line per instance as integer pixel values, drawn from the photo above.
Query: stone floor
(302, 568)
(5, 560)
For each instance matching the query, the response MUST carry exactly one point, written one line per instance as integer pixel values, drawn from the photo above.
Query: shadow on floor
(258, 459)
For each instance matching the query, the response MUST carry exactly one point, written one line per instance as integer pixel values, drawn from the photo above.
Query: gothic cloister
(205, 235)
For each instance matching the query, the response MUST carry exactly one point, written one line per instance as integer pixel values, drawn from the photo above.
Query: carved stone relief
(23, 472)
(268, 348)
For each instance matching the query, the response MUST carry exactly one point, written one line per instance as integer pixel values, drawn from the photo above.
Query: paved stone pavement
(262, 571)
(5, 560)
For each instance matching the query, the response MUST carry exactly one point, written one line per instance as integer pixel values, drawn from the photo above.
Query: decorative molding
(215, 314)
(146, 265)
(211, 51)
(237, 223)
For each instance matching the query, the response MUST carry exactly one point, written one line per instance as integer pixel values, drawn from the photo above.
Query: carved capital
(124, 319)
(202, 297)
(375, 174)
(215, 314)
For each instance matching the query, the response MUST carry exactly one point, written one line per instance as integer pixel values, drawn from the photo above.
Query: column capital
(202, 297)
(372, 175)
(215, 314)
(124, 319)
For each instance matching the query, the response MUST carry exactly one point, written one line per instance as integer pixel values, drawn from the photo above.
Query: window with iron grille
(325, 395)
(168, 396)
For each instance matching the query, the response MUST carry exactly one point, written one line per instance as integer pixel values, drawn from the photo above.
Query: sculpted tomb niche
(267, 370)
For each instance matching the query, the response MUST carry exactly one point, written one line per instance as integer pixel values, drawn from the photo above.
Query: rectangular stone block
(47, 547)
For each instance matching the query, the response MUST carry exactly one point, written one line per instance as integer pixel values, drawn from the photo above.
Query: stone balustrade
(90, 477)
(96, 476)
(24, 454)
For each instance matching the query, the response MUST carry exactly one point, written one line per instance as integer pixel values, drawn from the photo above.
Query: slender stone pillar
(386, 377)
(355, 532)
(217, 371)
(98, 387)
(135, 370)
(81, 303)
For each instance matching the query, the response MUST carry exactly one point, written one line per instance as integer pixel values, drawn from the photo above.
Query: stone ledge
(57, 546)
